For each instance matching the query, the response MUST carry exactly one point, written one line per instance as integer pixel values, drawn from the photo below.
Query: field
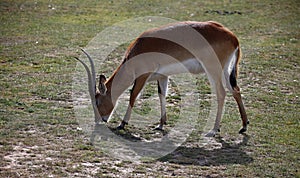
(40, 135)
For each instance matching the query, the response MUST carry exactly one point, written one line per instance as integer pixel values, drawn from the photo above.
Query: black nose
(104, 119)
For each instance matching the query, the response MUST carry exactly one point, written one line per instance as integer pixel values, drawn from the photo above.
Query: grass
(39, 133)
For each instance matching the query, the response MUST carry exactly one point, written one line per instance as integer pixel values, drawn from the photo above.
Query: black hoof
(158, 128)
(242, 130)
(122, 125)
(211, 133)
(104, 120)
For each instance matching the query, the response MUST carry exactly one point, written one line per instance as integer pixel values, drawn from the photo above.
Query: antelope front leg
(162, 92)
(126, 117)
(137, 87)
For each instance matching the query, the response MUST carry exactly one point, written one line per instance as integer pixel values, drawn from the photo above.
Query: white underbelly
(188, 66)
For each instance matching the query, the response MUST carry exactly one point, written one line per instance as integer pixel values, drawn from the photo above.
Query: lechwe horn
(91, 84)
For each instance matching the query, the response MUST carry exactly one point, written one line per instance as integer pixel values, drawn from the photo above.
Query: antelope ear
(102, 88)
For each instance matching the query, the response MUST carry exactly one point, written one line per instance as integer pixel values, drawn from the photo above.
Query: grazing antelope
(194, 47)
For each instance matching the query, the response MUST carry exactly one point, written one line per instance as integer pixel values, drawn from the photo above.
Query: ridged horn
(91, 84)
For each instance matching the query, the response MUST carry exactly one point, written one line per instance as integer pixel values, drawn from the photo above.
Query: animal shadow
(227, 153)
(189, 153)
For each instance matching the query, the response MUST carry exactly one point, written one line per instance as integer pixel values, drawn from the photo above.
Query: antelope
(194, 47)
